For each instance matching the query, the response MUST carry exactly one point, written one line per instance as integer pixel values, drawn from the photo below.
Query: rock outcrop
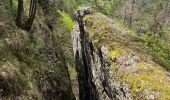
(113, 64)
(94, 77)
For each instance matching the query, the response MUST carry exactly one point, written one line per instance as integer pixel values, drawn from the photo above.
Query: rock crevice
(95, 80)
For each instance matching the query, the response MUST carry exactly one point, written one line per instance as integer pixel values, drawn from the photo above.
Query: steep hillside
(30, 66)
(113, 63)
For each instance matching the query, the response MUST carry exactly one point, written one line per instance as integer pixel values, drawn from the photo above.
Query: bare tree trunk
(95, 1)
(166, 12)
(32, 12)
(11, 3)
(34, 9)
(125, 15)
(131, 14)
(33, 6)
(19, 13)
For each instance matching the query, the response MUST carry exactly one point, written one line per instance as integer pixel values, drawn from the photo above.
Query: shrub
(67, 20)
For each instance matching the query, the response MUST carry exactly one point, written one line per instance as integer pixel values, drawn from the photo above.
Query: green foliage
(67, 20)
(157, 48)
(107, 7)
(72, 72)
(20, 82)
(15, 81)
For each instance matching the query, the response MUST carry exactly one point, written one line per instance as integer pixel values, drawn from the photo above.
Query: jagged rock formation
(112, 63)
(95, 80)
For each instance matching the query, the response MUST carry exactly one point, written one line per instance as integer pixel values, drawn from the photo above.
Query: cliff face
(112, 63)
(95, 80)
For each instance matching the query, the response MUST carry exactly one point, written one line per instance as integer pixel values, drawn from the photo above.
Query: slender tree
(19, 13)
(32, 12)
(11, 3)
(131, 13)
(166, 11)
(125, 13)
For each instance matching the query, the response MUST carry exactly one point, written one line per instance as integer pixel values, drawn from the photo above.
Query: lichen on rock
(124, 66)
(95, 80)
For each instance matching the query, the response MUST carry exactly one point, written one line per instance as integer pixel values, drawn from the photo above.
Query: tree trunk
(32, 12)
(166, 13)
(19, 13)
(125, 14)
(131, 14)
(11, 3)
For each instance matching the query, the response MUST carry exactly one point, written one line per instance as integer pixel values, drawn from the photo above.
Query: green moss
(142, 75)
(72, 72)
(98, 29)
(148, 77)
(115, 53)
(20, 81)
(95, 23)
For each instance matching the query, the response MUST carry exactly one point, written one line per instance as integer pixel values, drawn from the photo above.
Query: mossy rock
(128, 58)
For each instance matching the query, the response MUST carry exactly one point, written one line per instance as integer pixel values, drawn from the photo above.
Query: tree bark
(32, 12)
(131, 14)
(19, 13)
(11, 3)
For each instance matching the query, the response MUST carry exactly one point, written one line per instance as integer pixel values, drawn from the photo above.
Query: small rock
(151, 96)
